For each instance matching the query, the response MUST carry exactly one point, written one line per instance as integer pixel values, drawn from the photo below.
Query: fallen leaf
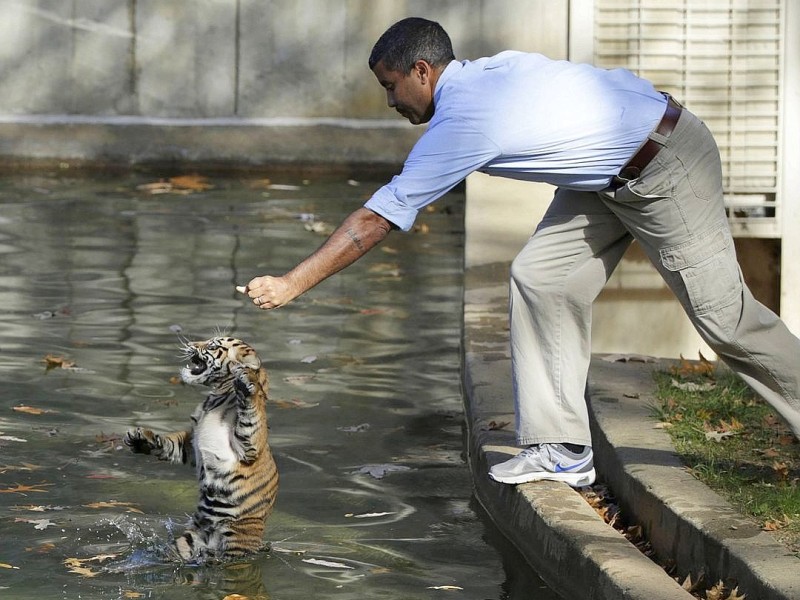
(182, 184)
(43, 548)
(379, 471)
(52, 361)
(30, 410)
(355, 428)
(22, 489)
(293, 404)
(326, 563)
(128, 506)
(444, 587)
(193, 183)
(40, 524)
(781, 470)
(7, 566)
(734, 595)
(496, 425)
(691, 386)
(717, 592)
(11, 438)
(718, 436)
(75, 565)
(36, 508)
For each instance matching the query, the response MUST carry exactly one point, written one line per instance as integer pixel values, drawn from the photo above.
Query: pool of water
(100, 277)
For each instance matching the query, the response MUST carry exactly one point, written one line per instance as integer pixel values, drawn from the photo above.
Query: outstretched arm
(357, 235)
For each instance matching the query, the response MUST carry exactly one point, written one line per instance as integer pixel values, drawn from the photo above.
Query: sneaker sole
(575, 480)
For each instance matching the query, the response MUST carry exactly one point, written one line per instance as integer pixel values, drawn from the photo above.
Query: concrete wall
(147, 81)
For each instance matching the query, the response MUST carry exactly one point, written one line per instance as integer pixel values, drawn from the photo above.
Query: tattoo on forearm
(355, 239)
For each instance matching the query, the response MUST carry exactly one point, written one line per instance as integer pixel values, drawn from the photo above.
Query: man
(628, 163)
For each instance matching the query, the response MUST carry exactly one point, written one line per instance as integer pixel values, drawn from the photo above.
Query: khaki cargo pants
(675, 211)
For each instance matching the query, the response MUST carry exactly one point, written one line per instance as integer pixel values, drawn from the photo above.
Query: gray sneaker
(547, 461)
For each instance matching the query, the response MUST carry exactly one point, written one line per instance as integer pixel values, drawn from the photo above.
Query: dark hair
(410, 40)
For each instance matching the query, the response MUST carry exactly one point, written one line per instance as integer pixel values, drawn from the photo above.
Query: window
(723, 60)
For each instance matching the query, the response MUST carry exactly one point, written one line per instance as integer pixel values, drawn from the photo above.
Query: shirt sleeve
(446, 153)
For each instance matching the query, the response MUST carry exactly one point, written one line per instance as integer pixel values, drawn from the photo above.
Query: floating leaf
(29, 410)
(182, 184)
(326, 563)
(23, 489)
(360, 428)
(52, 361)
(43, 548)
(444, 587)
(379, 471)
(37, 507)
(115, 504)
(11, 438)
(76, 565)
(40, 524)
(293, 404)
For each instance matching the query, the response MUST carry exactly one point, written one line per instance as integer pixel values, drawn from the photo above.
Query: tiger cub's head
(210, 362)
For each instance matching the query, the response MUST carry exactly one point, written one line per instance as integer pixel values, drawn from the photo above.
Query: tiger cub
(228, 444)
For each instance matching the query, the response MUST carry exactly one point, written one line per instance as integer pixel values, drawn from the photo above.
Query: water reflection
(97, 281)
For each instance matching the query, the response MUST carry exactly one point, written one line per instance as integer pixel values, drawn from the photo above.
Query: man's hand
(268, 292)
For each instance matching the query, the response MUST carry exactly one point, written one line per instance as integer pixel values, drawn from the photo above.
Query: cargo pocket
(708, 268)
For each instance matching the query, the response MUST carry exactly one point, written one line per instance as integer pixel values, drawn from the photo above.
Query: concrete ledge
(237, 143)
(683, 519)
(561, 537)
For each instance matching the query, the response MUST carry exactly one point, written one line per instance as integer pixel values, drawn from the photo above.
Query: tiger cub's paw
(245, 379)
(143, 440)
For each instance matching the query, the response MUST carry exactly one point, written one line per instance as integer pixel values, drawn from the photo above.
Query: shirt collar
(449, 71)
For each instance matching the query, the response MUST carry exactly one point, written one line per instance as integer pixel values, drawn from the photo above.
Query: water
(99, 277)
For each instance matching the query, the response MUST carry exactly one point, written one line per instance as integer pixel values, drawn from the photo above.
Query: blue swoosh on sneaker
(560, 469)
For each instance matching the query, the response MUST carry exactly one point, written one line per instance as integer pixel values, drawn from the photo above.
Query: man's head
(407, 60)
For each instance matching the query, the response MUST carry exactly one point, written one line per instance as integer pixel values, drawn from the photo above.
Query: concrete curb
(683, 519)
(562, 538)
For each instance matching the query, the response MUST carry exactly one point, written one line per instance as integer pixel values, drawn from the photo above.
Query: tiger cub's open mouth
(196, 364)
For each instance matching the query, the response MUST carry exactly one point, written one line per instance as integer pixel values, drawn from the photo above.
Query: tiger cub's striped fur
(228, 443)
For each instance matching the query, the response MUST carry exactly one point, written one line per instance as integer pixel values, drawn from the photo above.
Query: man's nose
(390, 100)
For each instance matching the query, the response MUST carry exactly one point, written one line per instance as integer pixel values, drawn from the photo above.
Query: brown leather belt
(634, 167)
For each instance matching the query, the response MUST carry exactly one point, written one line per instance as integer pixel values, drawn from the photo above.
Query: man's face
(409, 94)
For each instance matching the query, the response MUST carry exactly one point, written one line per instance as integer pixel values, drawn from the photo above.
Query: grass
(733, 441)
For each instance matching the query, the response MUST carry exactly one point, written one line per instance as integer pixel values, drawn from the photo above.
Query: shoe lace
(529, 451)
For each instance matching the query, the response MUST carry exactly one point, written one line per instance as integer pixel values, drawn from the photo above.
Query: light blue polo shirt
(523, 116)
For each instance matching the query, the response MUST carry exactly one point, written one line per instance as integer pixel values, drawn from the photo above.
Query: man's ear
(423, 70)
